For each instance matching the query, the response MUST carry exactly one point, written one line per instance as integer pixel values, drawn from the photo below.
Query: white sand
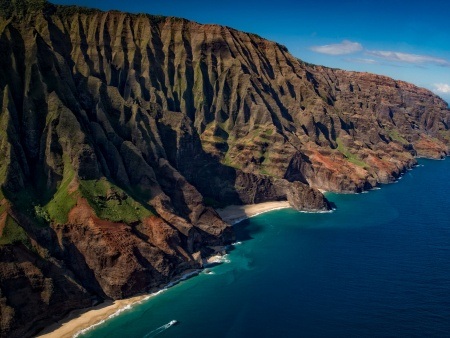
(82, 319)
(235, 213)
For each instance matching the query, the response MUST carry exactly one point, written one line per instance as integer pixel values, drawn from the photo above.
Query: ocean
(377, 266)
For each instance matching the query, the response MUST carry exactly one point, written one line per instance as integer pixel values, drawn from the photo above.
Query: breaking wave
(130, 306)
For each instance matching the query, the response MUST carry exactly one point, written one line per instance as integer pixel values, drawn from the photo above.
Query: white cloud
(442, 88)
(363, 60)
(409, 58)
(345, 47)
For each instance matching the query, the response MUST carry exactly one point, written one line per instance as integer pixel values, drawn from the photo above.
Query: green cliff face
(118, 133)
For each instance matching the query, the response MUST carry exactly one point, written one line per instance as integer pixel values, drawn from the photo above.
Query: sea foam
(317, 211)
(115, 314)
(130, 306)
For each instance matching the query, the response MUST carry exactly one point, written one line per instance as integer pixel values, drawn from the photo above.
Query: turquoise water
(378, 266)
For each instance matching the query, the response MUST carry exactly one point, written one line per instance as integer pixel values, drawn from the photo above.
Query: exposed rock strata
(120, 132)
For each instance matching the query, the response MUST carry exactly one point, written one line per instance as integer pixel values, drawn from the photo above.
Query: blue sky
(406, 40)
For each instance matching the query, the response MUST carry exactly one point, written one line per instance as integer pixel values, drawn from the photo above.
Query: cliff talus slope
(120, 133)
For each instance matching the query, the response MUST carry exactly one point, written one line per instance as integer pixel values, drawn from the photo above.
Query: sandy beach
(235, 213)
(79, 320)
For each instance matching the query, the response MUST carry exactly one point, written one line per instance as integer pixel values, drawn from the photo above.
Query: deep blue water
(378, 266)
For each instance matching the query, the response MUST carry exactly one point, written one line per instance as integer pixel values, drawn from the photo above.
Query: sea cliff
(121, 133)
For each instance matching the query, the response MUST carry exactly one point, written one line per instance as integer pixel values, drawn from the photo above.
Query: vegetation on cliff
(20, 8)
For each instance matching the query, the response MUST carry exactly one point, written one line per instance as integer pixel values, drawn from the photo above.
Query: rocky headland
(120, 134)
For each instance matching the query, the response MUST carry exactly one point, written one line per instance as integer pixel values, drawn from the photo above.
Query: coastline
(250, 214)
(234, 214)
(81, 320)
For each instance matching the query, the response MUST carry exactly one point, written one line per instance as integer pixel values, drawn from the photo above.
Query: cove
(378, 266)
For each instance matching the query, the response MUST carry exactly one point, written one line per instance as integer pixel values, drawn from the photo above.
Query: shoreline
(77, 321)
(81, 320)
(234, 214)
